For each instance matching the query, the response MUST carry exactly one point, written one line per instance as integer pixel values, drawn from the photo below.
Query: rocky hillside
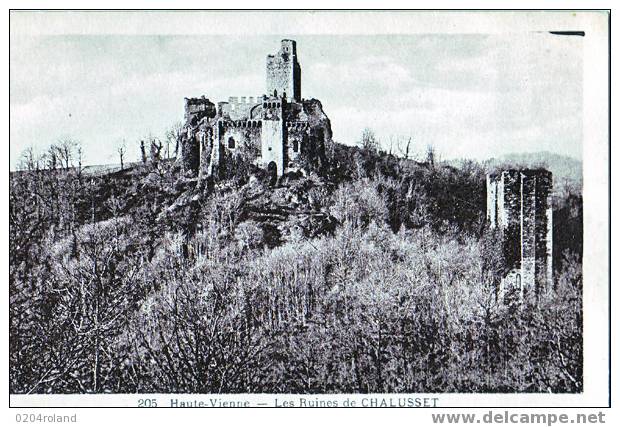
(370, 274)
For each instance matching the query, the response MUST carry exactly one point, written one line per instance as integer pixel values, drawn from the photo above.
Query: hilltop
(364, 273)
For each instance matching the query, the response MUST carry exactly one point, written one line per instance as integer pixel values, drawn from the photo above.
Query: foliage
(377, 276)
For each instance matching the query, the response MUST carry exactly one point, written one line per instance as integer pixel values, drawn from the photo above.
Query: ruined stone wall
(528, 227)
(284, 72)
(190, 150)
(239, 108)
(492, 200)
(543, 231)
(511, 219)
(296, 142)
(241, 136)
(519, 204)
(549, 239)
(198, 112)
(198, 108)
(209, 150)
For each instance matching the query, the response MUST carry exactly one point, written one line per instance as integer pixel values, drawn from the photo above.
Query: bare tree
(143, 151)
(28, 160)
(156, 147)
(430, 155)
(393, 140)
(121, 150)
(173, 136)
(369, 140)
(405, 152)
(402, 144)
(51, 158)
(80, 154)
(64, 150)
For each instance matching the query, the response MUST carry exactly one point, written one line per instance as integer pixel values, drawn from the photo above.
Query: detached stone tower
(519, 204)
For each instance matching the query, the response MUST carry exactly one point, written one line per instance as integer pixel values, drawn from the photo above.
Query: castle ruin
(279, 131)
(519, 206)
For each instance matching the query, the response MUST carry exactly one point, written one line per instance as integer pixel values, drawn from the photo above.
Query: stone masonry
(519, 205)
(279, 131)
(284, 72)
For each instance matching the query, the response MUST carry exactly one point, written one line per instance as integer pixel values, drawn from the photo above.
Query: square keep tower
(284, 72)
(519, 205)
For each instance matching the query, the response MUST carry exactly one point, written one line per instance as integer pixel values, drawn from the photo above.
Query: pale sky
(469, 95)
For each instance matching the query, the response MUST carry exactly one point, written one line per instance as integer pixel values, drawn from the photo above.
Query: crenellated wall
(275, 130)
(238, 108)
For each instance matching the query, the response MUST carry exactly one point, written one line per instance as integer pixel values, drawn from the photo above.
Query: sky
(469, 95)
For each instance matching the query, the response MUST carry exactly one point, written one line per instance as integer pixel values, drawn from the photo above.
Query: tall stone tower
(272, 134)
(284, 72)
(519, 205)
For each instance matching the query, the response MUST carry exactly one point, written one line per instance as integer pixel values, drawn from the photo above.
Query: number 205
(147, 403)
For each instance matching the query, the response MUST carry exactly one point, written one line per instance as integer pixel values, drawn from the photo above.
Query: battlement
(297, 125)
(239, 107)
(244, 100)
(240, 123)
(272, 102)
(279, 123)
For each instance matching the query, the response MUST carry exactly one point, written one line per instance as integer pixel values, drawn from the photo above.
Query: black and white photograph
(306, 203)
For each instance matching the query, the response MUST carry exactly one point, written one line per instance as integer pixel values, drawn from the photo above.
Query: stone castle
(519, 205)
(282, 132)
(279, 131)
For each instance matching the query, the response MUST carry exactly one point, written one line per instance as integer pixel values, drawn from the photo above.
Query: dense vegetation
(373, 274)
